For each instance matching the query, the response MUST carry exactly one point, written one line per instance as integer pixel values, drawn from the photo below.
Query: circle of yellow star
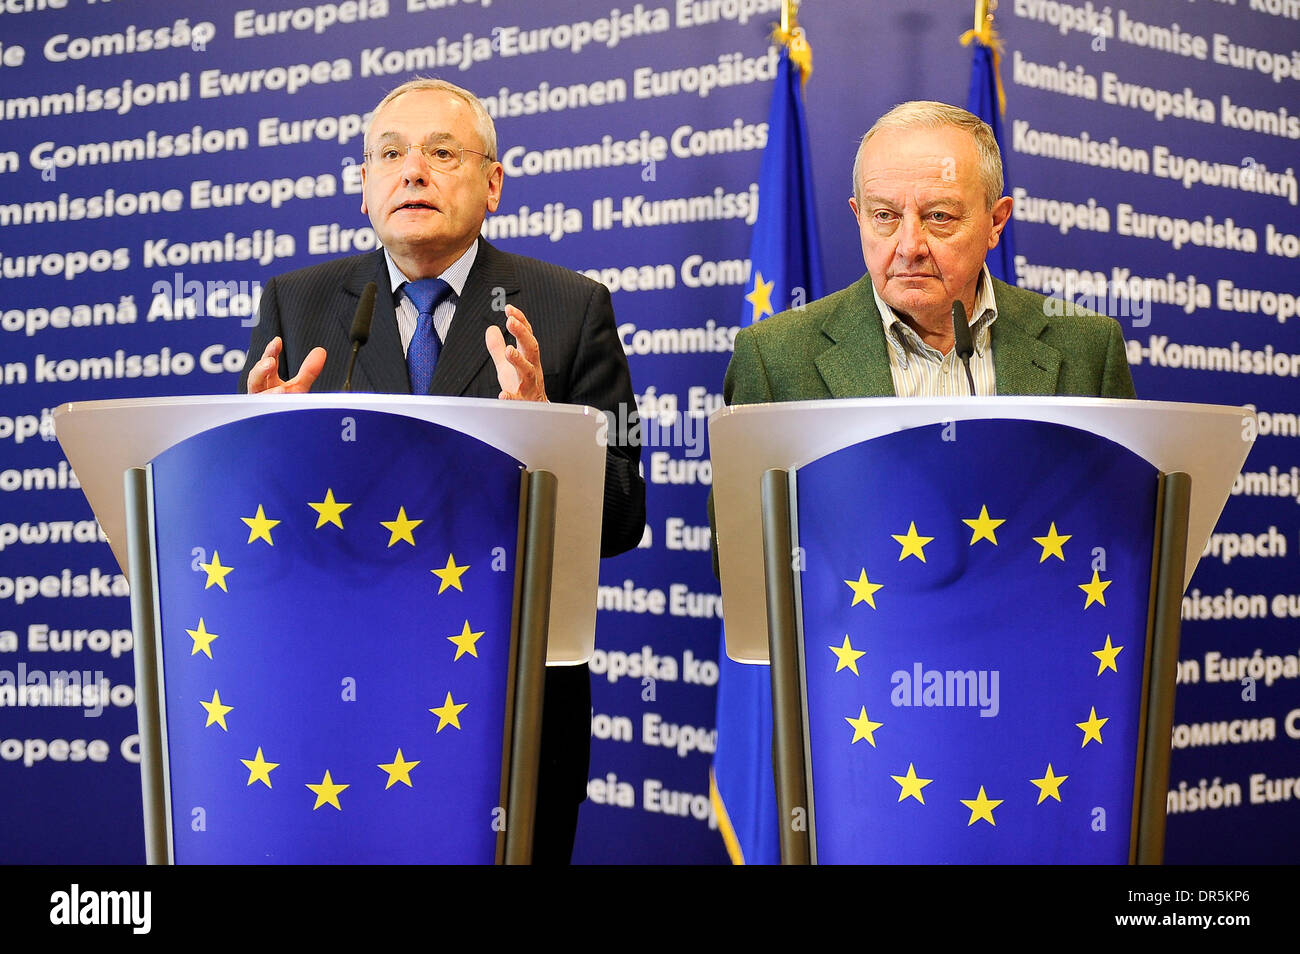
(863, 727)
(1052, 544)
(259, 769)
(329, 510)
(913, 543)
(202, 640)
(1049, 786)
(846, 656)
(448, 713)
(465, 642)
(216, 711)
(981, 806)
(399, 770)
(450, 574)
(761, 297)
(327, 792)
(911, 785)
(259, 527)
(1096, 590)
(1092, 728)
(400, 528)
(982, 527)
(864, 591)
(1106, 656)
(216, 572)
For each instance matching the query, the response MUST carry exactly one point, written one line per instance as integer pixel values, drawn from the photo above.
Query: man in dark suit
(927, 196)
(457, 317)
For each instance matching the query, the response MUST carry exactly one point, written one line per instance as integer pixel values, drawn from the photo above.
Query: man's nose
(912, 238)
(415, 167)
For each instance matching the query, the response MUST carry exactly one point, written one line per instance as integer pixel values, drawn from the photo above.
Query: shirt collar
(455, 274)
(986, 312)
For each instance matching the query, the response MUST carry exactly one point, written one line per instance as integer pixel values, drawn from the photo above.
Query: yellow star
(450, 574)
(864, 591)
(1052, 544)
(259, 769)
(216, 572)
(202, 640)
(1106, 656)
(982, 527)
(1096, 590)
(913, 543)
(761, 297)
(911, 785)
(1049, 786)
(399, 770)
(216, 711)
(449, 713)
(847, 656)
(329, 510)
(863, 727)
(1092, 728)
(327, 792)
(981, 806)
(400, 528)
(464, 643)
(259, 527)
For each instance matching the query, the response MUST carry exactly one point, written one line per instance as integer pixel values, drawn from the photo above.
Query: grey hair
(926, 114)
(487, 131)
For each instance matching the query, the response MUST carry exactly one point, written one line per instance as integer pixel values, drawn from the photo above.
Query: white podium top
(1207, 441)
(102, 439)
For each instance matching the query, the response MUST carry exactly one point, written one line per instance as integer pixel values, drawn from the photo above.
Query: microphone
(961, 340)
(360, 328)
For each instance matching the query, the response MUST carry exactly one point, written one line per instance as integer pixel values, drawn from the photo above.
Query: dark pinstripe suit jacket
(582, 361)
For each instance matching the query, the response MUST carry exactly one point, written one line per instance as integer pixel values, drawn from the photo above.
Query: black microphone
(961, 340)
(361, 328)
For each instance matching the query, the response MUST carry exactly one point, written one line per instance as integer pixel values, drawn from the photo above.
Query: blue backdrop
(159, 160)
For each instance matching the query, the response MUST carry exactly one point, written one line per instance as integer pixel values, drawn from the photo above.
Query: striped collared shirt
(408, 314)
(921, 371)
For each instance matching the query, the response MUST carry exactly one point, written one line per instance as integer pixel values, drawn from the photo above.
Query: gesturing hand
(519, 369)
(264, 378)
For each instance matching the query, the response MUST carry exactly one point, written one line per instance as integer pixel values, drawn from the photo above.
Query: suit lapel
(463, 353)
(857, 362)
(381, 358)
(1022, 363)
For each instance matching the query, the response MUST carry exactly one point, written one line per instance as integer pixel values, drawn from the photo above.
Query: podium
(343, 606)
(970, 610)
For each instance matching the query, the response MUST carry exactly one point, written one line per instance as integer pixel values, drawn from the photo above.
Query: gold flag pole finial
(789, 34)
(985, 34)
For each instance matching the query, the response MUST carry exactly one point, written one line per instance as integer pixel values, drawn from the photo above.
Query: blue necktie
(422, 353)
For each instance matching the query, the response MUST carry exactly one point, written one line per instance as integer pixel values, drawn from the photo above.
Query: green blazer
(835, 348)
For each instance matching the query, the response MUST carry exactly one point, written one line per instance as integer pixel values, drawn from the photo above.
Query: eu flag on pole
(785, 272)
(985, 99)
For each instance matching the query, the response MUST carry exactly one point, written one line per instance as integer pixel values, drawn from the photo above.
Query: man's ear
(1001, 216)
(495, 180)
(853, 204)
(364, 210)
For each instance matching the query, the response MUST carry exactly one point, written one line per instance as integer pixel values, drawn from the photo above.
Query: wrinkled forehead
(424, 114)
(934, 159)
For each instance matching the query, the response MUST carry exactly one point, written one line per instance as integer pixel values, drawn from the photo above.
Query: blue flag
(984, 101)
(786, 272)
(975, 644)
(336, 639)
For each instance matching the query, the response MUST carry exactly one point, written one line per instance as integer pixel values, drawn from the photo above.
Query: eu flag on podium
(986, 101)
(785, 272)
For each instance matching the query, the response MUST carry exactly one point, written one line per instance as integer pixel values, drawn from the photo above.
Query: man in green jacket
(927, 195)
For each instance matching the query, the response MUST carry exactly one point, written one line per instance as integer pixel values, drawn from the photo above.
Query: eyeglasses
(442, 157)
